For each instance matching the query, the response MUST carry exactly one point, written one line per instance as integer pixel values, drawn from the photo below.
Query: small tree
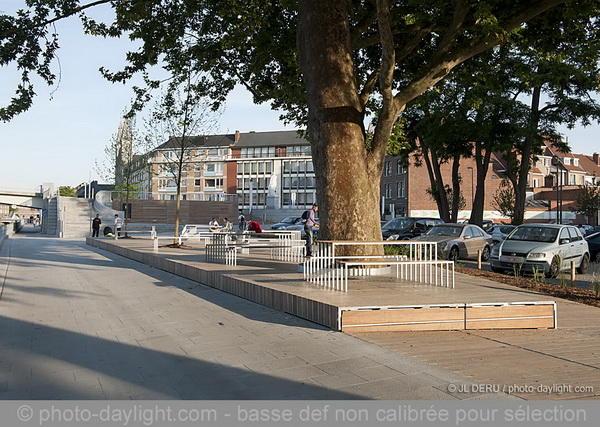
(504, 200)
(66, 191)
(587, 203)
(123, 165)
(181, 115)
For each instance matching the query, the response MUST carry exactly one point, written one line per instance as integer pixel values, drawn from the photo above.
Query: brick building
(262, 169)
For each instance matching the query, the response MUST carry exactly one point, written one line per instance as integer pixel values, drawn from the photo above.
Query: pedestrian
(308, 228)
(118, 225)
(241, 222)
(96, 225)
(254, 226)
(213, 225)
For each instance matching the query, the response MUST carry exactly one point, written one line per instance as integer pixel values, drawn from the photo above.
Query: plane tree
(554, 68)
(328, 64)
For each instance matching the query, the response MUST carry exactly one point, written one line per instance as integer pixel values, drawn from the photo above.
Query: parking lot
(583, 281)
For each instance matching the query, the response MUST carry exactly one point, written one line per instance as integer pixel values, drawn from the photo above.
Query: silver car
(548, 248)
(501, 232)
(456, 241)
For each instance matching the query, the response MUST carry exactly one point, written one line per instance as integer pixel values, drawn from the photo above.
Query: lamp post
(559, 183)
(472, 186)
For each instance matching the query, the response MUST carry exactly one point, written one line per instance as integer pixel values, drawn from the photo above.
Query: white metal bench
(419, 264)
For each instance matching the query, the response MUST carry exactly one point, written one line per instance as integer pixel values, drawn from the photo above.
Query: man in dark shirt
(308, 229)
(96, 225)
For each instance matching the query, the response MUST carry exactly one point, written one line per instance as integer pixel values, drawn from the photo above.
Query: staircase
(50, 221)
(75, 217)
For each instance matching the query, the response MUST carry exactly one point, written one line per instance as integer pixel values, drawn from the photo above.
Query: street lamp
(559, 184)
(472, 186)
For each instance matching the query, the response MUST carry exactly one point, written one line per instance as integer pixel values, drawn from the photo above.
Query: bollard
(479, 259)
(572, 273)
(155, 238)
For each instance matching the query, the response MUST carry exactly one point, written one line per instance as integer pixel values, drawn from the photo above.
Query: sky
(63, 136)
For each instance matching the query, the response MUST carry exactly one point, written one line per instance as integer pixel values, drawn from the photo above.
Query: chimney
(237, 136)
(596, 158)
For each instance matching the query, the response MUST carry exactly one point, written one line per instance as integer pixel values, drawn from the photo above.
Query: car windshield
(397, 224)
(534, 234)
(289, 220)
(445, 230)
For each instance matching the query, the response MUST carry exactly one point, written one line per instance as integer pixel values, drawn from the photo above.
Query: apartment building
(262, 169)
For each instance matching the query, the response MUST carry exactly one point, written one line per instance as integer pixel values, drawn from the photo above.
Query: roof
(198, 141)
(270, 139)
(588, 164)
(249, 139)
(551, 150)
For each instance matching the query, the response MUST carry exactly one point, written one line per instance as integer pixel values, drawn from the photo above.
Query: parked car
(501, 232)
(300, 227)
(407, 228)
(286, 222)
(585, 229)
(457, 241)
(593, 241)
(547, 248)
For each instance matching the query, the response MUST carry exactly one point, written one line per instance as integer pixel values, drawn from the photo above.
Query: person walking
(96, 225)
(308, 228)
(118, 225)
(241, 222)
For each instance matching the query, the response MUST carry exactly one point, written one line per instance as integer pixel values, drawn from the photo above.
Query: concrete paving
(81, 323)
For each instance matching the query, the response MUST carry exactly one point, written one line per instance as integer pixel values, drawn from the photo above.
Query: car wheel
(453, 254)
(554, 267)
(485, 255)
(585, 264)
(598, 256)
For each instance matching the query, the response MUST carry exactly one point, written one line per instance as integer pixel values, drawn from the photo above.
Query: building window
(572, 179)
(213, 184)
(400, 167)
(400, 189)
(213, 169)
(387, 189)
(387, 170)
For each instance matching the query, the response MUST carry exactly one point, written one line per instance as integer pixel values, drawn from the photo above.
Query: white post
(251, 194)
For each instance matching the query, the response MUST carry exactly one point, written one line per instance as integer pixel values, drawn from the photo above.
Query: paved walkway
(80, 323)
(546, 364)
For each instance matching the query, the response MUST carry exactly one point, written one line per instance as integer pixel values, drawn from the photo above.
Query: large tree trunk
(456, 194)
(347, 174)
(436, 180)
(526, 156)
(482, 163)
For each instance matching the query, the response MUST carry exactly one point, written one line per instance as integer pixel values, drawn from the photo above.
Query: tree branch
(365, 94)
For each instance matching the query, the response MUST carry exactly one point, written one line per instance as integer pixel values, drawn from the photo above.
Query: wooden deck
(372, 304)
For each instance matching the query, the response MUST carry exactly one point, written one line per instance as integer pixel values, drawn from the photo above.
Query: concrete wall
(192, 211)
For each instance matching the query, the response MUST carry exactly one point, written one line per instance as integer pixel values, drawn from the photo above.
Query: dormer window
(576, 162)
(566, 160)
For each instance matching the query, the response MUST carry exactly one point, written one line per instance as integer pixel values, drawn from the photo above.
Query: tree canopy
(328, 64)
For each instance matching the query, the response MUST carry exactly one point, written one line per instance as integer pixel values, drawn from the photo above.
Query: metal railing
(417, 263)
